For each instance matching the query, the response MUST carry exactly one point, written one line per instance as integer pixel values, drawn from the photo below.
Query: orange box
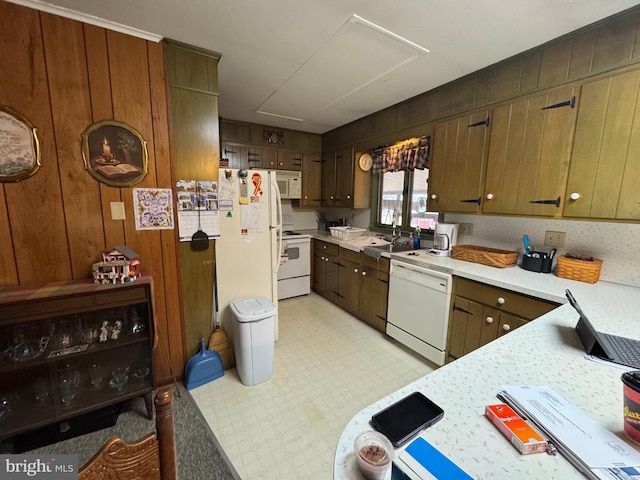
(518, 432)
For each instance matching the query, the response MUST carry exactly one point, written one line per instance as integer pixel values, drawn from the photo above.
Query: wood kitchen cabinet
(325, 269)
(311, 180)
(262, 158)
(343, 185)
(73, 347)
(529, 150)
(287, 160)
(457, 167)
(374, 291)
(481, 313)
(349, 280)
(605, 163)
(356, 282)
(337, 178)
(237, 155)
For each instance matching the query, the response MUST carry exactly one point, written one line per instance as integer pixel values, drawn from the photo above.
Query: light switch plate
(117, 211)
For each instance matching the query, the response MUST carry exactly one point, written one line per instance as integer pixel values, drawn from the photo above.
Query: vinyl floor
(328, 366)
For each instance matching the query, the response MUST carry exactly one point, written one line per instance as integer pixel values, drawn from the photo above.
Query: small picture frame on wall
(19, 146)
(114, 153)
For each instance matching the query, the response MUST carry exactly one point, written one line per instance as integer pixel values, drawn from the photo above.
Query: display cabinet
(70, 348)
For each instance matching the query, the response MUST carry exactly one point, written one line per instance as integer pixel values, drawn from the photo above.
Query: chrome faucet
(394, 234)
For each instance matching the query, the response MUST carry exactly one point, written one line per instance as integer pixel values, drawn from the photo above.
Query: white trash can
(254, 338)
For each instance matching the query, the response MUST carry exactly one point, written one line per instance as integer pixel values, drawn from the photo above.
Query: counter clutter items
(544, 352)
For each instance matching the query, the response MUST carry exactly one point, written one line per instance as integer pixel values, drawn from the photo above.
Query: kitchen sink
(376, 250)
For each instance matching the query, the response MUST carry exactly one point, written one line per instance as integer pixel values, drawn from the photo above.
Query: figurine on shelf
(104, 332)
(115, 333)
(137, 325)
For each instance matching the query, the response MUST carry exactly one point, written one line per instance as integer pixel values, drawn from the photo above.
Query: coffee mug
(631, 391)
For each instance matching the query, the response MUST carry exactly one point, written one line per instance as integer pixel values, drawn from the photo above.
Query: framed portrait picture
(19, 146)
(114, 153)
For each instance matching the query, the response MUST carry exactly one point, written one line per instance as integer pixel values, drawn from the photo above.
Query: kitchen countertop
(546, 351)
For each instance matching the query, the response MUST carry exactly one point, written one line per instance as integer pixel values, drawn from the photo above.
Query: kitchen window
(405, 193)
(402, 180)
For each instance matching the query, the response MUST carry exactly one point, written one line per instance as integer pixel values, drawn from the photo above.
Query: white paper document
(593, 449)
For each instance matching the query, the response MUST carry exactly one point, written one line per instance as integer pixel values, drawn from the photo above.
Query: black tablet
(406, 418)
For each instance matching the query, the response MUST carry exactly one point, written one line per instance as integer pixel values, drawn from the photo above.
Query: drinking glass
(41, 389)
(119, 378)
(96, 376)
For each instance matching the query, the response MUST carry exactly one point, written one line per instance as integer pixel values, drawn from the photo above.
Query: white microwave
(289, 183)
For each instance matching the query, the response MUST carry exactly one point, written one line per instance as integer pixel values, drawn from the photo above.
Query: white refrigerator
(250, 242)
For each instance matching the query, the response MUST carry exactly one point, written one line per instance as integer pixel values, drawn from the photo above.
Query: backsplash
(615, 243)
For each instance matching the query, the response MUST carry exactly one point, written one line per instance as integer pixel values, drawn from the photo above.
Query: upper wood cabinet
(529, 151)
(605, 162)
(287, 160)
(311, 180)
(457, 164)
(337, 178)
(237, 155)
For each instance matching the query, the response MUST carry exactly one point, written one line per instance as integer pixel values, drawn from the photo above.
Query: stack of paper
(591, 448)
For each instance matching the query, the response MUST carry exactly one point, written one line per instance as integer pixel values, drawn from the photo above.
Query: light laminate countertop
(546, 351)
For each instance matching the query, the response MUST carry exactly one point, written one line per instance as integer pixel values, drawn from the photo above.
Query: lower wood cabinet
(361, 282)
(325, 269)
(481, 313)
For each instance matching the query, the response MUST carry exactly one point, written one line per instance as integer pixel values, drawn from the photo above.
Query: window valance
(403, 156)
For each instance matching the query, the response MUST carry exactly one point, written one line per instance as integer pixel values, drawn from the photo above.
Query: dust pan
(204, 367)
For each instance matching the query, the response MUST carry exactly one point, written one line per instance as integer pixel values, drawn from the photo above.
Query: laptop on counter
(612, 348)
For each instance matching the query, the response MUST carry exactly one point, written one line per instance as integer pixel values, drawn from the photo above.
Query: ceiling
(314, 65)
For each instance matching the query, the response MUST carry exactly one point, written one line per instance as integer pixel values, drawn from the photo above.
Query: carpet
(198, 453)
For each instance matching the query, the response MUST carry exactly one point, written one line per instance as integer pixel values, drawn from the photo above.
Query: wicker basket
(581, 270)
(485, 255)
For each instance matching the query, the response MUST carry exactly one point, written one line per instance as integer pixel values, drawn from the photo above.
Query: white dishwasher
(418, 310)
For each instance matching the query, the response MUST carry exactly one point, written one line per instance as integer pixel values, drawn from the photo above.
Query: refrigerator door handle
(275, 191)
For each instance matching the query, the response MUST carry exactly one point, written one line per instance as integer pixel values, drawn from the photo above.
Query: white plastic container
(253, 338)
(346, 233)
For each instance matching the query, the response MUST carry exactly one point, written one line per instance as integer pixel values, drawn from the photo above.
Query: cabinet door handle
(364, 273)
(506, 327)
(574, 196)
(355, 270)
(501, 300)
(489, 196)
(472, 200)
(481, 122)
(567, 103)
(489, 319)
(434, 196)
(555, 202)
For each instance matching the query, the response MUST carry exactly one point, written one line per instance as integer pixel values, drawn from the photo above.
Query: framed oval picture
(19, 146)
(114, 153)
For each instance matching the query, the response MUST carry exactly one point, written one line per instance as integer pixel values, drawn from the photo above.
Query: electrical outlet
(466, 229)
(554, 239)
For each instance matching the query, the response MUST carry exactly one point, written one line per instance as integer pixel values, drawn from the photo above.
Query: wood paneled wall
(64, 75)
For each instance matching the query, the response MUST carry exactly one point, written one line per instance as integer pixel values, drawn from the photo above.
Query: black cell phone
(406, 418)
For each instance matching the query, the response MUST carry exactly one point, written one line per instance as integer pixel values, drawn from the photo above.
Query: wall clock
(365, 161)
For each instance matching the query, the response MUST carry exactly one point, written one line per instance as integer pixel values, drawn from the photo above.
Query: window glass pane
(391, 197)
(419, 215)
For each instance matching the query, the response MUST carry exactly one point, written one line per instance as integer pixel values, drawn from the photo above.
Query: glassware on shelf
(69, 382)
(5, 406)
(137, 324)
(41, 389)
(119, 378)
(67, 392)
(140, 375)
(96, 376)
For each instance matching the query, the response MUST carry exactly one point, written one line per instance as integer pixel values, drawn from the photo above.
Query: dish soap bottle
(416, 239)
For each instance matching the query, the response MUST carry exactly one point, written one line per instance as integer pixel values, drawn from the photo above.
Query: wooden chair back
(152, 457)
